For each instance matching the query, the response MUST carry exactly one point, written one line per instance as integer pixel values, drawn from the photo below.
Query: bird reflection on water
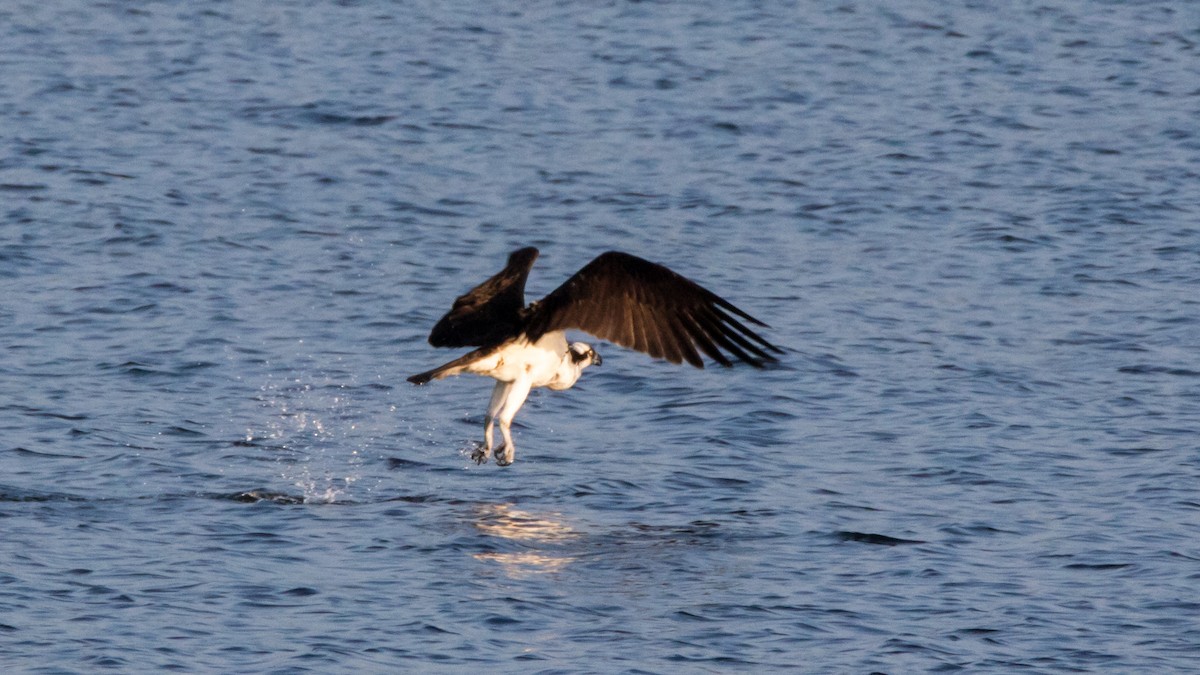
(528, 530)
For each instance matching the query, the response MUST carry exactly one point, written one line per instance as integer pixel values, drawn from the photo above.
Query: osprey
(617, 297)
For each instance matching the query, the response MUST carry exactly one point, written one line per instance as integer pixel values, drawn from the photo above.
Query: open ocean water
(228, 227)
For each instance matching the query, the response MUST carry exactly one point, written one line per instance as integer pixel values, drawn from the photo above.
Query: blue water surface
(228, 227)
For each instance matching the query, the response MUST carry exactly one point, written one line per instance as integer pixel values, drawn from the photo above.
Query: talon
(504, 455)
(480, 454)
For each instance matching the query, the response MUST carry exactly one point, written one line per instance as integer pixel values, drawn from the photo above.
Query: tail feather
(423, 378)
(446, 369)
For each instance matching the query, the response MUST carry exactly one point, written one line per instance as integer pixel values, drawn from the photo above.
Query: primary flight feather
(617, 297)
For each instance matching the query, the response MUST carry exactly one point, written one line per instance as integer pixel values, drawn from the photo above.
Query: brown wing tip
(523, 256)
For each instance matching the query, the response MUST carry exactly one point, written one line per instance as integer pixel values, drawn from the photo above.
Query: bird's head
(584, 355)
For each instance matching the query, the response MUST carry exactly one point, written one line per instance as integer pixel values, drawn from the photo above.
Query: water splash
(315, 427)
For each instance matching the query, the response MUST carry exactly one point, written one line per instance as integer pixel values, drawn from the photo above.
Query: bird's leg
(498, 395)
(515, 398)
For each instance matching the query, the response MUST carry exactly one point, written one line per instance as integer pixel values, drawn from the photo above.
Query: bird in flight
(617, 297)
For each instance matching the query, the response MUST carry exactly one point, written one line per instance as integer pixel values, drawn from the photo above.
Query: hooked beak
(596, 360)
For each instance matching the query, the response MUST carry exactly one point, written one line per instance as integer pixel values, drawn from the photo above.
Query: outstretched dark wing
(645, 306)
(490, 312)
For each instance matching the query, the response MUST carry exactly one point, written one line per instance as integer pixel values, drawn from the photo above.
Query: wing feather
(492, 311)
(701, 339)
(626, 328)
(706, 344)
(655, 328)
(645, 306)
(654, 336)
(638, 321)
(737, 337)
(684, 344)
(721, 336)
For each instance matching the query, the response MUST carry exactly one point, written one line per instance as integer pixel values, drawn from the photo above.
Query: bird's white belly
(537, 361)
